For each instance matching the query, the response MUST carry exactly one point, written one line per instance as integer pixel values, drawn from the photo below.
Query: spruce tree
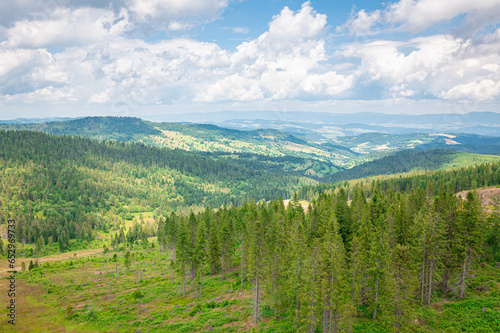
(183, 252)
(200, 253)
(401, 288)
(336, 298)
(428, 247)
(471, 237)
(214, 250)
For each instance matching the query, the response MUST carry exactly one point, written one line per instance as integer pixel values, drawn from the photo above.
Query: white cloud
(279, 63)
(482, 90)
(50, 95)
(101, 64)
(174, 10)
(417, 15)
(24, 70)
(67, 27)
(439, 66)
(241, 30)
(143, 15)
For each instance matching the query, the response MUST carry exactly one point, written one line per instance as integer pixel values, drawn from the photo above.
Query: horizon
(145, 117)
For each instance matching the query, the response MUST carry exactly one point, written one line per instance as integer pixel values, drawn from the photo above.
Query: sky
(69, 58)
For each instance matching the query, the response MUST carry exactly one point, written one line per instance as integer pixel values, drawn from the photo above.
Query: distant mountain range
(318, 154)
(322, 125)
(36, 120)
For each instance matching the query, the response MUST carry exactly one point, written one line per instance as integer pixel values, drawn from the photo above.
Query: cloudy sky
(144, 57)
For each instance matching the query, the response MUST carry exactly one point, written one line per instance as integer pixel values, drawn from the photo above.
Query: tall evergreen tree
(471, 237)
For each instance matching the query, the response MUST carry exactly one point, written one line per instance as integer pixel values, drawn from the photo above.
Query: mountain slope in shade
(415, 160)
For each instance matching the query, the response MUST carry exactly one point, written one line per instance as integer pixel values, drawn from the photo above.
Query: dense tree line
(62, 188)
(459, 179)
(405, 161)
(327, 266)
(101, 128)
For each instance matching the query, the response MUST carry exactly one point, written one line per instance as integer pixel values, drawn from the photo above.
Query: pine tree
(427, 251)
(297, 278)
(471, 225)
(183, 253)
(256, 260)
(277, 254)
(401, 287)
(214, 252)
(192, 224)
(336, 299)
(343, 215)
(378, 250)
(200, 253)
(226, 247)
(446, 206)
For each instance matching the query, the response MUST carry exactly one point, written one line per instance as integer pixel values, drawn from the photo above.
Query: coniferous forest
(326, 266)
(211, 245)
(232, 166)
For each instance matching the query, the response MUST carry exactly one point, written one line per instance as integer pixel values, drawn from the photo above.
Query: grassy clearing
(80, 294)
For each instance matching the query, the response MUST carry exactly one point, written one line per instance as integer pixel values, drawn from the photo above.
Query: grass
(80, 294)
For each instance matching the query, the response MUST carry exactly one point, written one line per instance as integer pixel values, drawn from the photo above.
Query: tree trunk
(256, 300)
(335, 322)
(376, 299)
(422, 282)
(241, 269)
(311, 324)
(201, 283)
(446, 277)
(376, 281)
(183, 282)
(353, 275)
(272, 288)
(429, 291)
(397, 318)
(462, 279)
(326, 311)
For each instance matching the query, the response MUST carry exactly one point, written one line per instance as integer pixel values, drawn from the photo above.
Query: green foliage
(137, 294)
(69, 188)
(493, 238)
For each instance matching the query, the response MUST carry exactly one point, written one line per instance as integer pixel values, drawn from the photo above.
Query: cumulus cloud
(143, 14)
(176, 11)
(28, 70)
(417, 15)
(100, 63)
(482, 90)
(278, 64)
(67, 27)
(439, 66)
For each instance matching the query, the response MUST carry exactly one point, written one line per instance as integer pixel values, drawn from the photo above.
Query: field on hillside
(98, 294)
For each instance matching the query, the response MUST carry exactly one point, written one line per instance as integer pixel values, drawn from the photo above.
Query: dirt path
(487, 196)
(4, 264)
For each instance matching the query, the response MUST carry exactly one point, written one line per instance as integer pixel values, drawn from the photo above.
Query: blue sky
(144, 57)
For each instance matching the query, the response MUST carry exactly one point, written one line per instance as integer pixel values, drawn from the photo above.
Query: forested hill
(101, 128)
(53, 182)
(375, 264)
(458, 179)
(284, 152)
(414, 160)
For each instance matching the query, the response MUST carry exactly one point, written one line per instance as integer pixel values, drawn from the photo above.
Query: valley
(129, 225)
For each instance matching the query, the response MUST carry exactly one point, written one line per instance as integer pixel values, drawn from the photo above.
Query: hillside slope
(72, 187)
(415, 160)
(282, 151)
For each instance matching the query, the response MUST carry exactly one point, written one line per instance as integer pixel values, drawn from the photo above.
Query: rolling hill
(271, 149)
